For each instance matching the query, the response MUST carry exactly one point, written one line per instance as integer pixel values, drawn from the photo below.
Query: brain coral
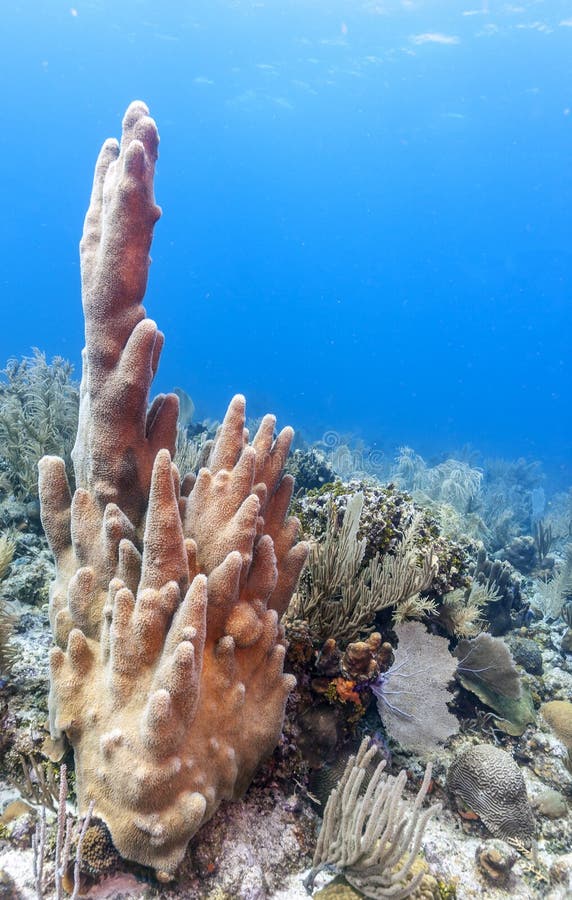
(488, 781)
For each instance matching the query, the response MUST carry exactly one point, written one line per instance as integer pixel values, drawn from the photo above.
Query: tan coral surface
(167, 677)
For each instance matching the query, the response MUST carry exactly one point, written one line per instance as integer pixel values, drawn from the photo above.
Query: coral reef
(462, 611)
(309, 469)
(342, 593)
(521, 553)
(452, 482)
(168, 674)
(167, 677)
(505, 607)
(386, 515)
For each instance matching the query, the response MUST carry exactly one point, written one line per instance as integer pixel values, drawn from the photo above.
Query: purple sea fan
(412, 695)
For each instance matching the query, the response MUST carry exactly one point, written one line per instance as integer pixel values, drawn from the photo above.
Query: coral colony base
(395, 717)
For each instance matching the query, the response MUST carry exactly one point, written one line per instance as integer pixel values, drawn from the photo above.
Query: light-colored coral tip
(135, 110)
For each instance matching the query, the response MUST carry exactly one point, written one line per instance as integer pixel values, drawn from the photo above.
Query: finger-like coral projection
(167, 677)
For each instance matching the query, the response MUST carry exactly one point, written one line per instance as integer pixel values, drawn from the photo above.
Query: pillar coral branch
(167, 674)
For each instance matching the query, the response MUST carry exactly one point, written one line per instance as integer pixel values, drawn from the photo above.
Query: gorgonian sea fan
(412, 695)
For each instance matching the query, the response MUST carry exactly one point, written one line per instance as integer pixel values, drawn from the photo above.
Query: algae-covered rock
(527, 654)
(310, 469)
(551, 803)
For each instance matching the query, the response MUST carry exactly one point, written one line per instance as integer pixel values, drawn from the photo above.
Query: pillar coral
(167, 674)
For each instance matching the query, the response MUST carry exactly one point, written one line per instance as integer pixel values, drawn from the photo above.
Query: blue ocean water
(366, 206)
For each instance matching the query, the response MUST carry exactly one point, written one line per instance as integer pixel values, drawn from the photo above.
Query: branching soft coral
(38, 415)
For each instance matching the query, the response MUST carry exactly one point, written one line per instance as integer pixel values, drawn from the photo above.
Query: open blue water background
(367, 206)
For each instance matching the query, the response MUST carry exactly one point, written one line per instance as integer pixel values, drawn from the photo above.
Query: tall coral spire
(117, 438)
(167, 675)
